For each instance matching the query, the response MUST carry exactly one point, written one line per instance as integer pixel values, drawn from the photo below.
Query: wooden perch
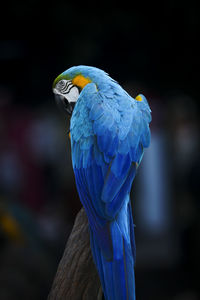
(76, 277)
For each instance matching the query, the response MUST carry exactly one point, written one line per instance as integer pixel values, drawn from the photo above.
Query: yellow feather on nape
(80, 81)
(138, 98)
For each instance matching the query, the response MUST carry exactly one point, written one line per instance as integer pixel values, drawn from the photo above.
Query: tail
(117, 275)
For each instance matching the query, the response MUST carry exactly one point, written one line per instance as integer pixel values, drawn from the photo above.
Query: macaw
(109, 131)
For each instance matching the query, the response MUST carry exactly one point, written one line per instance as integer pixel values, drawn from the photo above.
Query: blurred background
(148, 48)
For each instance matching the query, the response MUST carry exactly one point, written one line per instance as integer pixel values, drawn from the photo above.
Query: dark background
(148, 48)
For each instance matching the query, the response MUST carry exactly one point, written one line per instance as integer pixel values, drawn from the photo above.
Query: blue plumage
(109, 131)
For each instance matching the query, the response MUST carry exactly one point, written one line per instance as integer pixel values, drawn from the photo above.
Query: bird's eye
(64, 85)
(61, 84)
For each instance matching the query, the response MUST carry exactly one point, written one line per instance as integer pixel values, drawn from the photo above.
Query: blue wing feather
(105, 150)
(114, 206)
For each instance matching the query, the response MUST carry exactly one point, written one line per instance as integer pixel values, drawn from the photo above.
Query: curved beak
(64, 104)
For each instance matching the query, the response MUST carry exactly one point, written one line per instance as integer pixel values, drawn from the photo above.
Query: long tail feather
(117, 274)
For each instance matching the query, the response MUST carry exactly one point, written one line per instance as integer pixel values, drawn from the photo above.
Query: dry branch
(76, 277)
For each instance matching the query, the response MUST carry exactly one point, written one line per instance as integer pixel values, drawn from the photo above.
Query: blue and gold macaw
(109, 131)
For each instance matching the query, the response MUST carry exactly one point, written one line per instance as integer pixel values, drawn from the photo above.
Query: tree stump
(76, 276)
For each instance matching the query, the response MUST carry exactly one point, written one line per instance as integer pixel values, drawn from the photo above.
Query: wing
(108, 134)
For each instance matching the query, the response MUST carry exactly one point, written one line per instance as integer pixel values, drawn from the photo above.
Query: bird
(109, 131)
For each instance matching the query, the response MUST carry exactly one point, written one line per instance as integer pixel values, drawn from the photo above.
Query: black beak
(64, 104)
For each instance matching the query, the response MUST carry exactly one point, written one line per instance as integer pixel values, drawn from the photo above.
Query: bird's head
(69, 84)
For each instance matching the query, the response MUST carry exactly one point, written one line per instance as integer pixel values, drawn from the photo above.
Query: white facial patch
(66, 89)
